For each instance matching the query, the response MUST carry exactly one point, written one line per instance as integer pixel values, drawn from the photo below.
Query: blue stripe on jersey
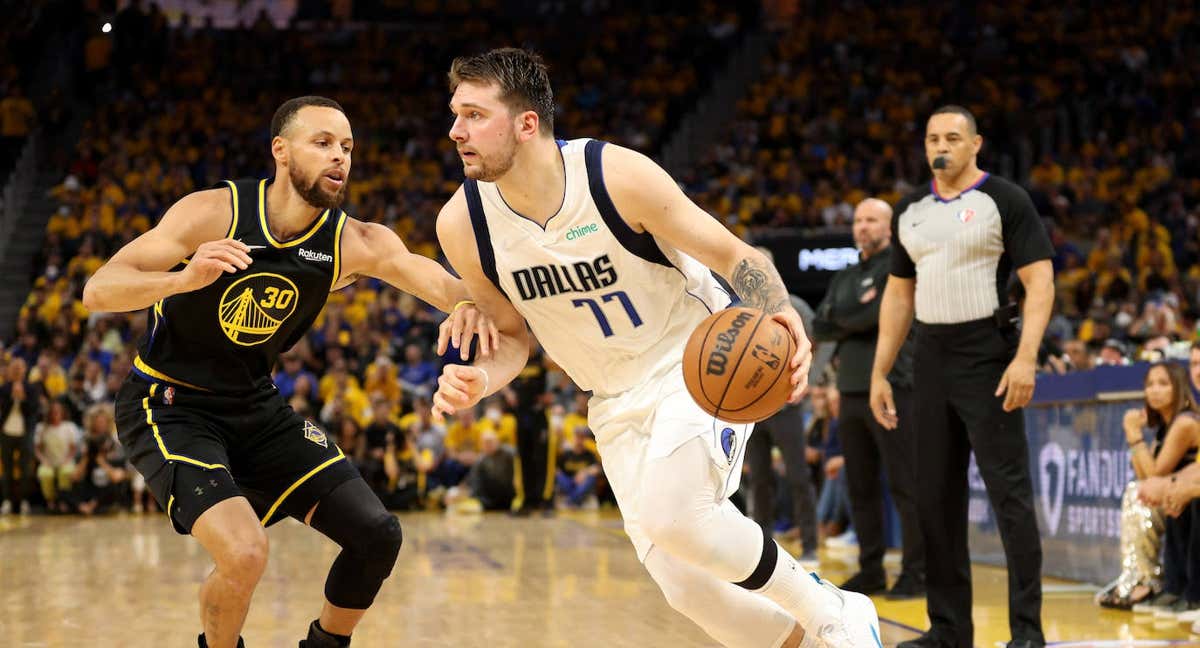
(483, 238)
(641, 244)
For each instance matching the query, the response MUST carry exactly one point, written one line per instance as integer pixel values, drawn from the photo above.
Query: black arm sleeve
(902, 264)
(1025, 238)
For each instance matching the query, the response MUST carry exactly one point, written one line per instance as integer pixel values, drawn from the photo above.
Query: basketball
(735, 365)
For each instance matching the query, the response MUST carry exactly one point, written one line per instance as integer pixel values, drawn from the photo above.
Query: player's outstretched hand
(213, 258)
(459, 387)
(465, 322)
(802, 360)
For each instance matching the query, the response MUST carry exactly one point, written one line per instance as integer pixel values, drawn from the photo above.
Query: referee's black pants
(871, 451)
(956, 371)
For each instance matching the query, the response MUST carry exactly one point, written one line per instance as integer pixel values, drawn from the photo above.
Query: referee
(955, 246)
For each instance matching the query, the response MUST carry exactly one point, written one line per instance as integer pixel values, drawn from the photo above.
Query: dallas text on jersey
(549, 280)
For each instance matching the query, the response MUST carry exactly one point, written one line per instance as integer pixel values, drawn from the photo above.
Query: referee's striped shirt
(962, 250)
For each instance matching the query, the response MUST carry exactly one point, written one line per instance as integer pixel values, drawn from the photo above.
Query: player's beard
(313, 194)
(492, 168)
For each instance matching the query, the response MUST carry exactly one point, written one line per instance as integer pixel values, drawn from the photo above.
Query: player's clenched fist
(459, 387)
(213, 258)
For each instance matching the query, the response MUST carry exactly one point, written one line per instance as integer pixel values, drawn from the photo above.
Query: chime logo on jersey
(550, 280)
(254, 307)
(315, 434)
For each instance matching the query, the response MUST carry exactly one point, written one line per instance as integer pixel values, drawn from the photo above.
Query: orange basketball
(735, 365)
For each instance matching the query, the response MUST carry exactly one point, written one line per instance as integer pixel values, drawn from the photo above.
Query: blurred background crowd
(176, 102)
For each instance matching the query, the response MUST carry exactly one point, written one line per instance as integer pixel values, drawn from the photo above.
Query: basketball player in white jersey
(597, 249)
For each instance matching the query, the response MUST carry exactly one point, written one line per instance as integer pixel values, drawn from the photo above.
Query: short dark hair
(953, 109)
(521, 74)
(287, 111)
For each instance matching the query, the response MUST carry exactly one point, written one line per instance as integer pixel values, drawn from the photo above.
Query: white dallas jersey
(611, 306)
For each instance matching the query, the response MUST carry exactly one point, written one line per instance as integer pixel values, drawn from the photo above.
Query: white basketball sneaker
(857, 625)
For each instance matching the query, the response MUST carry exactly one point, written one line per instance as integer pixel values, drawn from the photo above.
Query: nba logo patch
(728, 443)
(169, 396)
(966, 215)
(314, 434)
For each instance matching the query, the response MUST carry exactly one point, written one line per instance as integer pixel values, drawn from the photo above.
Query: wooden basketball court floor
(462, 581)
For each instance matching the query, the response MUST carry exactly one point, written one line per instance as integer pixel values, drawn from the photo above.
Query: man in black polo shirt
(955, 246)
(849, 315)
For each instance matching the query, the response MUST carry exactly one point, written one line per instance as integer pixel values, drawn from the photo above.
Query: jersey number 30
(601, 318)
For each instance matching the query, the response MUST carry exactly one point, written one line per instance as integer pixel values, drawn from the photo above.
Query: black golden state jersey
(226, 336)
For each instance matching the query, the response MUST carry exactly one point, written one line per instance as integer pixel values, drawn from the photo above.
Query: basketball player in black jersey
(233, 276)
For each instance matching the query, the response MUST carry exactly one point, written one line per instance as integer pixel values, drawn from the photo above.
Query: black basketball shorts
(196, 449)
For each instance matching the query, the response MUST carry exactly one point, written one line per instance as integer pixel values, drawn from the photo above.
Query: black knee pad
(370, 536)
(380, 544)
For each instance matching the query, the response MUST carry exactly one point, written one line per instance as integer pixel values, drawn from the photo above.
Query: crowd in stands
(836, 116)
(1094, 109)
(180, 108)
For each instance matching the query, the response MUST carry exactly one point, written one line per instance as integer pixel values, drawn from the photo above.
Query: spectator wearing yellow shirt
(382, 380)
(64, 224)
(576, 419)
(85, 262)
(17, 117)
(1113, 283)
(50, 374)
(399, 465)
(335, 379)
(501, 423)
(462, 437)
(345, 399)
(1154, 275)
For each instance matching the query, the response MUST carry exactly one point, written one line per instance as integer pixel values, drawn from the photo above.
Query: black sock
(204, 644)
(316, 632)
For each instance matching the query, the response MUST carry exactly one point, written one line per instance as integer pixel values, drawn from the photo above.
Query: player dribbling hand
(802, 360)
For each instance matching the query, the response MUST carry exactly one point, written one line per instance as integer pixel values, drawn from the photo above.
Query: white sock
(799, 592)
(810, 641)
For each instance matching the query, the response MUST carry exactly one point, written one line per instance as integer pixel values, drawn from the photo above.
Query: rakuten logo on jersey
(309, 255)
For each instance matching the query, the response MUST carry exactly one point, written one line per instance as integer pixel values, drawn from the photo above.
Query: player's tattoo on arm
(759, 285)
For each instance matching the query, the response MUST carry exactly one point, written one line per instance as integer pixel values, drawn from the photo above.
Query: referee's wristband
(465, 302)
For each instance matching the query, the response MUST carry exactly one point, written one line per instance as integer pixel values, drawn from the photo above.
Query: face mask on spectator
(493, 414)
(1123, 320)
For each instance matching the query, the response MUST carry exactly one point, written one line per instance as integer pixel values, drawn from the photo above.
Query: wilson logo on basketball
(718, 360)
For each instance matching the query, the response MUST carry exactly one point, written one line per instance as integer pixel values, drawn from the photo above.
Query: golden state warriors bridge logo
(254, 307)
